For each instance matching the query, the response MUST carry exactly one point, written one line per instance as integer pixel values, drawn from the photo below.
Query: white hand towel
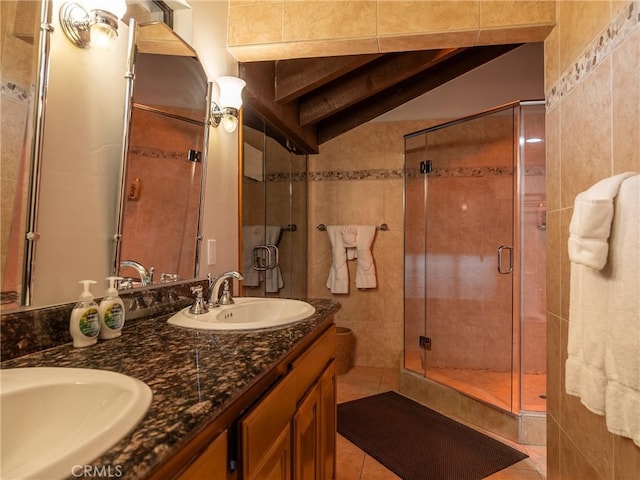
(273, 276)
(338, 281)
(350, 240)
(591, 222)
(366, 270)
(252, 236)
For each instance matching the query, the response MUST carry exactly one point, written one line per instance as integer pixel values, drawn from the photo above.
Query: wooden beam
(369, 80)
(260, 95)
(408, 89)
(297, 77)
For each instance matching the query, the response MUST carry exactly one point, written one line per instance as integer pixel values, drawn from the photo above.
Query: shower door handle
(501, 268)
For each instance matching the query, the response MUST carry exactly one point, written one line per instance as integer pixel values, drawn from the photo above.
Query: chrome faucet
(146, 276)
(215, 299)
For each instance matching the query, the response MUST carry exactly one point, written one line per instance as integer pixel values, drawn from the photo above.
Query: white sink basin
(54, 419)
(247, 313)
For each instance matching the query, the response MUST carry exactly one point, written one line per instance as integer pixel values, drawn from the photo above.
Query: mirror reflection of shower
(274, 213)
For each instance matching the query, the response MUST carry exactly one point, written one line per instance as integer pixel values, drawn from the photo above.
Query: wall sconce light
(95, 25)
(230, 102)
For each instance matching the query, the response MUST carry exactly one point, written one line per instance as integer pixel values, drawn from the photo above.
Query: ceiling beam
(260, 95)
(297, 77)
(408, 89)
(369, 80)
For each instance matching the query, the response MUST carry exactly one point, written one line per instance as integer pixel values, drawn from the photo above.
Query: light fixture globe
(96, 26)
(226, 111)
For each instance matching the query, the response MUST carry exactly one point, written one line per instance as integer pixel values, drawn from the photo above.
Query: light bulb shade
(117, 7)
(230, 92)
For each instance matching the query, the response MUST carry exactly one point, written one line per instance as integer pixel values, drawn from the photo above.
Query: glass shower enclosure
(274, 213)
(475, 256)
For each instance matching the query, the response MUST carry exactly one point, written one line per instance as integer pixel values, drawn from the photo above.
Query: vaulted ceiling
(312, 100)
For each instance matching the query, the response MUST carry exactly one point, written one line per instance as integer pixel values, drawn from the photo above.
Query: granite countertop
(194, 376)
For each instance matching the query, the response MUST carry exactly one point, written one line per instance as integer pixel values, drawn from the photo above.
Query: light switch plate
(211, 252)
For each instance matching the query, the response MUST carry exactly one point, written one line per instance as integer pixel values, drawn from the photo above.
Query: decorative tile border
(156, 153)
(15, 92)
(625, 23)
(373, 174)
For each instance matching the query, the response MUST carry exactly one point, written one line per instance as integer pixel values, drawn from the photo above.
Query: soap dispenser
(111, 311)
(84, 324)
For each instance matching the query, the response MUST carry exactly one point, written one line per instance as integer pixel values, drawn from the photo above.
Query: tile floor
(354, 464)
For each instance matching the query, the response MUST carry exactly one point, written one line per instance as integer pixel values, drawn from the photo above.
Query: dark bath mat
(417, 443)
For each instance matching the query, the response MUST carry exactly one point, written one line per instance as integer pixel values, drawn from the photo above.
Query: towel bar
(383, 226)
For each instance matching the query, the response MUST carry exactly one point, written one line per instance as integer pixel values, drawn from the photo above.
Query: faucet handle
(199, 306)
(226, 298)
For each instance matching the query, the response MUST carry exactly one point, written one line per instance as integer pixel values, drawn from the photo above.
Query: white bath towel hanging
(603, 365)
(338, 281)
(365, 270)
(622, 342)
(351, 242)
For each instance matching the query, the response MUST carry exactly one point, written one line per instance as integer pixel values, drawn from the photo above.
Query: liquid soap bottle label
(114, 316)
(90, 322)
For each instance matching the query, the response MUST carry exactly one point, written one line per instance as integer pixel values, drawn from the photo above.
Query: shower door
(460, 259)
(274, 212)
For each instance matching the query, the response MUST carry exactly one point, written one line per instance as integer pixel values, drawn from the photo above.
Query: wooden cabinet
(211, 464)
(314, 430)
(291, 432)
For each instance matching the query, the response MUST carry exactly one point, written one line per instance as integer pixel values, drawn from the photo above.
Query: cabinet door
(262, 427)
(276, 464)
(211, 464)
(306, 437)
(328, 425)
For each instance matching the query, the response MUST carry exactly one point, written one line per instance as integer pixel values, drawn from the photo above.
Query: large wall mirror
(165, 164)
(81, 156)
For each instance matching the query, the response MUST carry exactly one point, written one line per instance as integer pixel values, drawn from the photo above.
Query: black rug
(417, 443)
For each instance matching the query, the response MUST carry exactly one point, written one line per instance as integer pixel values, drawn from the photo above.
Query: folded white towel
(603, 366)
(590, 225)
(351, 242)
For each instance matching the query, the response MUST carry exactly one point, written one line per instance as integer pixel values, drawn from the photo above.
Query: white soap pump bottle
(111, 311)
(84, 324)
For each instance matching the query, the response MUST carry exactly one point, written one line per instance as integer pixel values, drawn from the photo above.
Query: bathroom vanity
(226, 405)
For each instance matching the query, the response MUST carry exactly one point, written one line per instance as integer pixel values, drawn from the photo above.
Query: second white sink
(55, 420)
(246, 313)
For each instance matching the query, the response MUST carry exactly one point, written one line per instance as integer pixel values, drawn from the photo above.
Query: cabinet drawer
(262, 426)
(308, 367)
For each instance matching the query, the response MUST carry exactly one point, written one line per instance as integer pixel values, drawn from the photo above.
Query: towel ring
(383, 226)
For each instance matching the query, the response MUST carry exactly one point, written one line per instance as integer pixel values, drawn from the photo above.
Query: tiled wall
(357, 179)
(294, 29)
(592, 84)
